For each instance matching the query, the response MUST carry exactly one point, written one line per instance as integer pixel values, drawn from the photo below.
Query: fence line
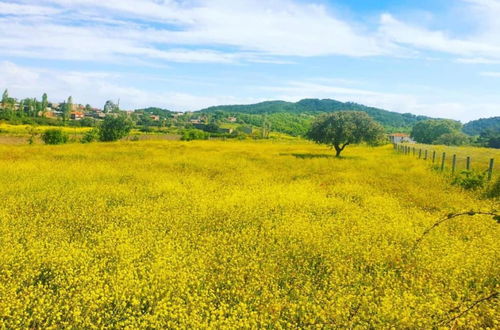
(422, 153)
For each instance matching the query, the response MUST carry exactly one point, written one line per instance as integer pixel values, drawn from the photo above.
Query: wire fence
(450, 162)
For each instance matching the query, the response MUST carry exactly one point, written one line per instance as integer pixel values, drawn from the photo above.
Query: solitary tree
(340, 129)
(114, 128)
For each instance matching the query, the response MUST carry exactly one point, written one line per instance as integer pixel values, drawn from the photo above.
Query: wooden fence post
(433, 156)
(490, 169)
(420, 153)
(453, 164)
(413, 151)
(467, 164)
(442, 161)
(425, 155)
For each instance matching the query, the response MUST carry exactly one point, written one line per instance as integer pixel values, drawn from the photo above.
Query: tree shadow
(312, 156)
(309, 156)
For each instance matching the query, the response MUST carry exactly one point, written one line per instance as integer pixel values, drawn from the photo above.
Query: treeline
(482, 132)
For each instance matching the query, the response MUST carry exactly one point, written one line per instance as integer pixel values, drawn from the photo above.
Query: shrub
(470, 180)
(453, 139)
(194, 134)
(146, 129)
(494, 190)
(55, 136)
(90, 136)
(114, 128)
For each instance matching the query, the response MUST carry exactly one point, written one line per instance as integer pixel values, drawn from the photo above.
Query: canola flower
(237, 234)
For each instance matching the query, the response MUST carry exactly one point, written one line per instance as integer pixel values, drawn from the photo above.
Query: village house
(400, 138)
(232, 119)
(155, 117)
(48, 114)
(77, 115)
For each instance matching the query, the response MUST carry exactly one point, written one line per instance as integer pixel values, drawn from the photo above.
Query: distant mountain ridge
(298, 115)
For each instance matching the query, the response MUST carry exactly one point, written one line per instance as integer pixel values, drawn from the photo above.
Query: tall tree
(340, 129)
(8, 104)
(70, 103)
(110, 106)
(67, 108)
(45, 104)
(36, 107)
(5, 98)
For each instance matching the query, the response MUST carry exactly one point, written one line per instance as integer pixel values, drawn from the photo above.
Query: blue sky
(437, 58)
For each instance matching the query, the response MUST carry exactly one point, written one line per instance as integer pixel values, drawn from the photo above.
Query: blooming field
(24, 130)
(479, 157)
(238, 234)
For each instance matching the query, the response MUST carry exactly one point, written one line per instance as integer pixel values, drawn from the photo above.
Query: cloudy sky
(433, 57)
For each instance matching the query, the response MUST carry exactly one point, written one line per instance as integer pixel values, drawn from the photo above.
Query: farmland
(238, 234)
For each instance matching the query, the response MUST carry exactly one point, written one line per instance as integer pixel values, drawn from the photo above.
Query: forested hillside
(295, 118)
(476, 127)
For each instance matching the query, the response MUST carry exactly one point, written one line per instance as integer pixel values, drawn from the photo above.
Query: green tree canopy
(110, 106)
(55, 136)
(455, 138)
(114, 128)
(45, 103)
(428, 131)
(490, 138)
(339, 129)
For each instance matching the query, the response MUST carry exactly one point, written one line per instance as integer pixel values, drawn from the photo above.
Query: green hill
(295, 118)
(476, 127)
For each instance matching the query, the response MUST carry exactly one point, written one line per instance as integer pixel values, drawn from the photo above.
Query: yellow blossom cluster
(238, 234)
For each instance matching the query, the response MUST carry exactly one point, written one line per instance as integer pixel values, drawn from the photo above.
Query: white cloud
(490, 74)
(97, 87)
(26, 10)
(421, 38)
(402, 103)
(477, 60)
(247, 30)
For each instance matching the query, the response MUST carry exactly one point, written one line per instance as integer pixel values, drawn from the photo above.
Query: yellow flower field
(24, 130)
(479, 157)
(238, 234)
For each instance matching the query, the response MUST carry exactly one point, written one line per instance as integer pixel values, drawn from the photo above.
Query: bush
(453, 139)
(55, 136)
(494, 190)
(470, 180)
(90, 136)
(114, 128)
(194, 134)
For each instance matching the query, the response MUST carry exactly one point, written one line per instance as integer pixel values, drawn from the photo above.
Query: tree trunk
(339, 149)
